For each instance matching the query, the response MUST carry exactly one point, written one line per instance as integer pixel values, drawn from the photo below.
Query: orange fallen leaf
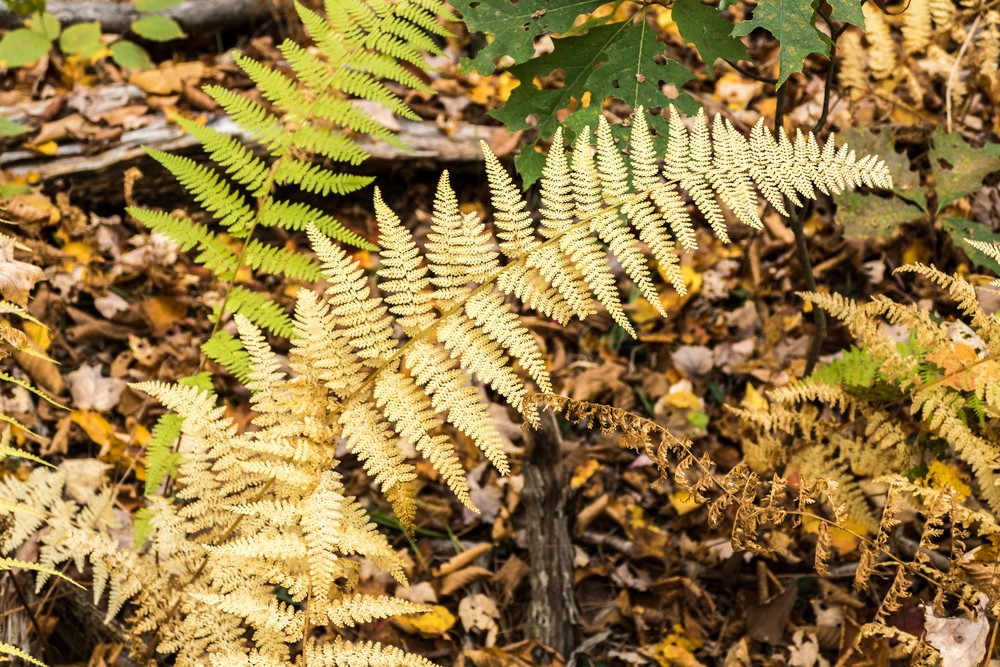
(163, 312)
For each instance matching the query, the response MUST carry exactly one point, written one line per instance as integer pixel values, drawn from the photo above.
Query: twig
(954, 69)
(31, 617)
(751, 75)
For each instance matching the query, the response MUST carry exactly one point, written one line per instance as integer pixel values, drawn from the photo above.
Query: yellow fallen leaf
(940, 474)
(163, 311)
(676, 650)
(95, 426)
(45, 148)
(753, 400)
(434, 623)
(505, 83)
(683, 502)
(38, 333)
(81, 252)
(917, 252)
(683, 399)
(583, 472)
(842, 541)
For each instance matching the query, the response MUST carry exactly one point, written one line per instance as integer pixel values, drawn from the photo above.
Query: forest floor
(654, 583)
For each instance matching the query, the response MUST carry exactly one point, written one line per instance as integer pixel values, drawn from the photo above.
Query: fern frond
(409, 409)
(371, 441)
(366, 608)
(227, 351)
(161, 461)
(261, 310)
(342, 653)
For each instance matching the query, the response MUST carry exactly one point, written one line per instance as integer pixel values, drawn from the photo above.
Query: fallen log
(83, 163)
(194, 16)
(425, 138)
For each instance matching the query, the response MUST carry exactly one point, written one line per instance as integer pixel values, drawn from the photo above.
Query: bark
(195, 16)
(552, 613)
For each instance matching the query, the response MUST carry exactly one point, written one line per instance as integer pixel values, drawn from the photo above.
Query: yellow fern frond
(362, 317)
(917, 28)
(360, 608)
(369, 438)
(451, 393)
(882, 50)
(403, 274)
(414, 418)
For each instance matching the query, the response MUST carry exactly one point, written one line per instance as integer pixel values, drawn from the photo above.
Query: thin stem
(751, 75)
(819, 315)
(31, 618)
(954, 69)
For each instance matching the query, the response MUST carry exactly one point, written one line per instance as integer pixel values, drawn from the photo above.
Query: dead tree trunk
(552, 613)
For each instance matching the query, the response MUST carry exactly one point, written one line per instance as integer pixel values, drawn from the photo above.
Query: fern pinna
(372, 365)
(359, 45)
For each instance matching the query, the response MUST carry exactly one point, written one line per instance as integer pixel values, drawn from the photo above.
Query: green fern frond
(304, 133)
(161, 460)
(227, 351)
(280, 261)
(215, 254)
(261, 310)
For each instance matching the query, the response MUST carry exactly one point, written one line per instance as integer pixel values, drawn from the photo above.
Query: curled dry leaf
(16, 278)
(479, 612)
(458, 561)
(462, 578)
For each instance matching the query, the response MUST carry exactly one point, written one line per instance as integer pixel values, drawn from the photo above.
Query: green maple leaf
(848, 11)
(711, 34)
(516, 25)
(621, 60)
(791, 23)
(959, 168)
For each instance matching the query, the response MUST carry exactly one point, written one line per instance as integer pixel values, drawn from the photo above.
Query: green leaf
(871, 216)
(959, 168)
(130, 55)
(704, 27)
(11, 189)
(46, 25)
(960, 229)
(614, 61)
(791, 23)
(905, 183)
(516, 26)
(529, 163)
(155, 5)
(848, 11)
(9, 128)
(25, 6)
(22, 47)
(158, 28)
(82, 39)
